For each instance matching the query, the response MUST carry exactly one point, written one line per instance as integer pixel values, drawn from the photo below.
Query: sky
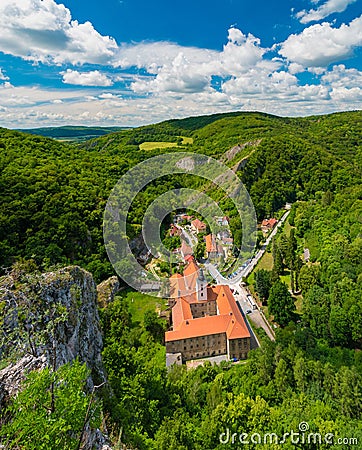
(135, 62)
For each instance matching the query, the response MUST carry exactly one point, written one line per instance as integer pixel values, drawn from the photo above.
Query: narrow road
(243, 273)
(240, 293)
(254, 315)
(189, 238)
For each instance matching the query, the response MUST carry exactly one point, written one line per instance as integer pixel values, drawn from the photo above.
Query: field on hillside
(139, 303)
(52, 204)
(159, 145)
(54, 193)
(156, 145)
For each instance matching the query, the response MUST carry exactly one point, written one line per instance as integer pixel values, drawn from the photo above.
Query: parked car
(249, 311)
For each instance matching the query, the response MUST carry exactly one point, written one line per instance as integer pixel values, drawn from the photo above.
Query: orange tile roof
(186, 249)
(229, 320)
(269, 223)
(191, 268)
(202, 326)
(181, 312)
(198, 224)
(177, 285)
(185, 285)
(210, 243)
(191, 272)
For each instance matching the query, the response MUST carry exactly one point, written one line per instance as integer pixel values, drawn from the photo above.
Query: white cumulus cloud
(188, 69)
(177, 81)
(321, 44)
(92, 78)
(340, 76)
(330, 7)
(43, 31)
(154, 55)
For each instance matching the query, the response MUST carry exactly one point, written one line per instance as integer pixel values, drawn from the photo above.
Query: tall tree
(281, 303)
(309, 276)
(278, 259)
(263, 283)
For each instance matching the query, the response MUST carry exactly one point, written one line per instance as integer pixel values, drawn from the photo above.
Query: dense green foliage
(51, 210)
(73, 133)
(50, 411)
(282, 384)
(54, 194)
(53, 197)
(263, 283)
(332, 282)
(281, 303)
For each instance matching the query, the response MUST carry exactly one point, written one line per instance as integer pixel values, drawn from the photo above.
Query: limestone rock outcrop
(49, 320)
(107, 290)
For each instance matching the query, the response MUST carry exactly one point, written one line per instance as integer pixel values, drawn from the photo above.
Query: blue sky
(134, 62)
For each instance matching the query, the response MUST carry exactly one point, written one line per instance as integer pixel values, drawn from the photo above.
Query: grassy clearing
(187, 140)
(298, 303)
(154, 145)
(140, 303)
(287, 227)
(285, 278)
(266, 262)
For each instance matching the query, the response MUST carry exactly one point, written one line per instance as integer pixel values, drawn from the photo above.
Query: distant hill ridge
(54, 193)
(70, 132)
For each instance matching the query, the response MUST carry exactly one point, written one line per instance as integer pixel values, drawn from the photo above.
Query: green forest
(72, 133)
(51, 212)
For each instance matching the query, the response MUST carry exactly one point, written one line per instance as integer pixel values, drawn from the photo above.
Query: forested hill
(51, 210)
(53, 194)
(287, 158)
(72, 133)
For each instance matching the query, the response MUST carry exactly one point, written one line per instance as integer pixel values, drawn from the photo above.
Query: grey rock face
(12, 376)
(107, 290)
(55, 314)
(49, 320)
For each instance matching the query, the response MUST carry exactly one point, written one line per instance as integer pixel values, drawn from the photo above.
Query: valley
(304, 279)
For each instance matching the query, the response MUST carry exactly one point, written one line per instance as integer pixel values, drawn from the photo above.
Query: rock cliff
(107, 290)
(49, 319)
